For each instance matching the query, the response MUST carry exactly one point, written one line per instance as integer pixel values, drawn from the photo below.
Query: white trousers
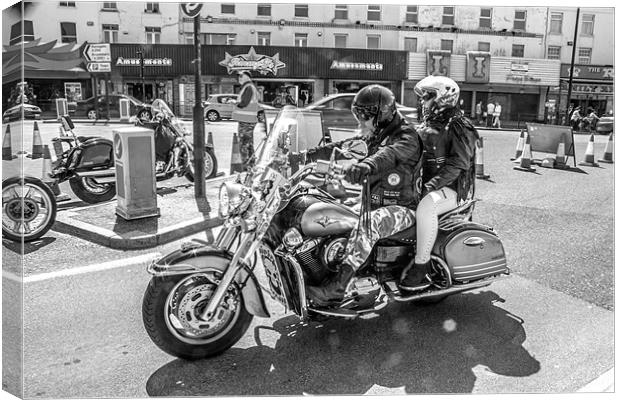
(431, 205)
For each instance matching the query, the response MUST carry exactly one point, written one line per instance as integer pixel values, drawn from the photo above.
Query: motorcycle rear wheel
(89, 191)
(210, 165)
(170, 311)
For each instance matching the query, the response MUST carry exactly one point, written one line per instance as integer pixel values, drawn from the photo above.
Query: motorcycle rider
(448, 172)
(393, 169)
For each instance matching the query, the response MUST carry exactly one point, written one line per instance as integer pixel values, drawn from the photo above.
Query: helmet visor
(364, 113)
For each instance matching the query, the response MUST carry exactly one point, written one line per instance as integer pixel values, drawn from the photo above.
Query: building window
(411, 44)
(373, 41)
(554, 52)
(448, 16)
(519, 23)
(556, 23)
(412, 15)
(109, 6)
(485, 17)
(518, 50)
(228, 8)
(301, 40)
(218, 38)
(263, 38)
(484, 46)
(446, 44)
(110, 33)
(341, 11)
(152, 8)
(153, 34)
(16, 32)
(67, 3)
(301, 10)
(374, 13)
(263, 10)
(67, 32)
(585, 55)
(340, 41)
(587, 25)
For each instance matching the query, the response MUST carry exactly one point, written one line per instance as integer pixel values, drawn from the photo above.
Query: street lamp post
(572, 67)
(141, 55)
(199, 123)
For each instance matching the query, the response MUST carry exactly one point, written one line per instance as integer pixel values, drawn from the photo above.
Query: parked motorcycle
(203, 297)
(28, 208)
(88, 163)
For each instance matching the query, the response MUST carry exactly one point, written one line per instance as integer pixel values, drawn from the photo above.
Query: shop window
(587, 25)
(446, 44)
(519, 22)
(411, 16)
(263, 10)
(67, 32)
(301, 40)
(585, 55)
(340, 41)
(301, 10)
(374, 13)
(218, 38)
(110, 33)
(152, 8)
(153, 34)
(263, 38)
(411, 44)
(109, 6)
(518, 50)
(555, 26)
(448, 16)
(554, 52)
(16, 32)
(67, 3)
(341, 11)
(484, 46)
(373, 41)
(228, 8)
(485, 18)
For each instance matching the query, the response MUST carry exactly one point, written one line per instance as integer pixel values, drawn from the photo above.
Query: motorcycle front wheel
(171, 309)
(89, 191)
(28, 208)
(210, 165)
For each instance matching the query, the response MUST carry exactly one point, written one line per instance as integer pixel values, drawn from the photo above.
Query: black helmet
(374, 102)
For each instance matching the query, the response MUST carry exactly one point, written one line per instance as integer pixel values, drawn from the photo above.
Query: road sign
(98, 67)
(99, 52)
(191, 9)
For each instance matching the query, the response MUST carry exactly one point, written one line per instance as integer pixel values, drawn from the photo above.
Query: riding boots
(332, 289)
(416, 278)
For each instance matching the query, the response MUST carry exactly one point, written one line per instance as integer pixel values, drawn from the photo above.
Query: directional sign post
(98, 58)
(98, 67)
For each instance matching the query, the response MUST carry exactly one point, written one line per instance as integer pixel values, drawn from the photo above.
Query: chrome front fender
(192, 259)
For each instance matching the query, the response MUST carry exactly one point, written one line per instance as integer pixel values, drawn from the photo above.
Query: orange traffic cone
(37, 143)
(589, 156)
(236, 164)
(608, 155)
(7, 152)
(560, 156)
(45, 175)
(525, 159)
(519, 150)
(480, 160)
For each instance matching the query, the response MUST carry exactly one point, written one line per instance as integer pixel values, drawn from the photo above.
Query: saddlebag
(472, 251)
(93, 154)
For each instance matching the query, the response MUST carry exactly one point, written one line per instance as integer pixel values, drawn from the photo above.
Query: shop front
(592, 87)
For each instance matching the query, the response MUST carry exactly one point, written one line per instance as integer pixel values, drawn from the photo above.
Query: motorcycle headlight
(292, 238)
(233, 199)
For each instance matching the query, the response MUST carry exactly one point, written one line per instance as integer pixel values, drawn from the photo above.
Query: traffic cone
(607, 156)
(560, 156)
(210, 140)
(236, 164)
(7, 152)
(480, 160)
(525, 163)
(519, 150)
(37, 143)
(45, 175)
(589, 156)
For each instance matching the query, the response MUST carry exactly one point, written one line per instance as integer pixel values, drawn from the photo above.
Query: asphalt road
(548, 329)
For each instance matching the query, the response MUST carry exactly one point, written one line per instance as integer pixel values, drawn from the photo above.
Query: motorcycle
(88, 163)
(28, 208)
(203, 297)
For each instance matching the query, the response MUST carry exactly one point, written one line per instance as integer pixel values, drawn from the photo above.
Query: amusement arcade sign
(252, 62)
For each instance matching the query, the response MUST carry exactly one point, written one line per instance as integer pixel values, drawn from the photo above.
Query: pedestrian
(302, 98)
(575, 118)
(497, 112)
(490, 110)
(479, 112)
(245, 113)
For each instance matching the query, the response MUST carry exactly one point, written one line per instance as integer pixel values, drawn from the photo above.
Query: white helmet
(438, 92)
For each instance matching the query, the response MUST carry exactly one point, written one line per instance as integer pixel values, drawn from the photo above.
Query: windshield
(160, 106)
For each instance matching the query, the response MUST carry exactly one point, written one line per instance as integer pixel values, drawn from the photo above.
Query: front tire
(170, 310)
(89, 191)
(210, 165)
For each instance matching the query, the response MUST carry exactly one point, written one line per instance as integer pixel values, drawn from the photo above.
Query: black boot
(332, 290)
(416, 277)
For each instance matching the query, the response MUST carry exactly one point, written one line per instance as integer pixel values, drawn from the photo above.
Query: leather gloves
(355, 173)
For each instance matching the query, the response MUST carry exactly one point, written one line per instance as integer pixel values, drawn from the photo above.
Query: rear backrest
(67, 124)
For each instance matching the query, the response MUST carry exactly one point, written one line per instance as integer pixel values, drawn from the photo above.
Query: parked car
(219, 106)
(605, 125)
(336, 111)
(15, 113)
(88, 107)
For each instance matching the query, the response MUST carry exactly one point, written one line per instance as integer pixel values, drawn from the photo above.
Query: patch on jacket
(393, 179)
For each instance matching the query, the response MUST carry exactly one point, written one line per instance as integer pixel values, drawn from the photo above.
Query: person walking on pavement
(302, 98)
(245, 113)
(497, 112)
(479, 112)
(490, 110)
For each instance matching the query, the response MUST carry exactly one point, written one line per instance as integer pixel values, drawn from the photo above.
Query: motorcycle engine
(320, 256)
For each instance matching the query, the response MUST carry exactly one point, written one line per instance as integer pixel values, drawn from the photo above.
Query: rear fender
(192, 258)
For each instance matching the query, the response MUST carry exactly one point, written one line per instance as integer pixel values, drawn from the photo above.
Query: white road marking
(125, 262)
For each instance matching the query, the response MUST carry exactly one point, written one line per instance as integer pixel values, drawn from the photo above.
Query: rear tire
(210, 165)
(212, 116)
(91, 114)
(89, 191)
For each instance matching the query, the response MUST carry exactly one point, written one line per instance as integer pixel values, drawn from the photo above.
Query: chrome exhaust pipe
(99, 176)
(448, 291)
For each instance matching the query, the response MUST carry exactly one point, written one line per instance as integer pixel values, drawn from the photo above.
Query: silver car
(218, 106)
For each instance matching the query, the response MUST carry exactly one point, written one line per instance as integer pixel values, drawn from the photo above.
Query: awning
(46, 74)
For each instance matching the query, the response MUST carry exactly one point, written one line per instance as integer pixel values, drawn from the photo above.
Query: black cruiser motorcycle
(203, 297)
(88, 162)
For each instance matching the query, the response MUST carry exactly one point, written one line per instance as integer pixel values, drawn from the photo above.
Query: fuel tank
(324, 219)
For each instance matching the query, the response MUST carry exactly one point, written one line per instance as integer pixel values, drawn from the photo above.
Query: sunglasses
(365, 112)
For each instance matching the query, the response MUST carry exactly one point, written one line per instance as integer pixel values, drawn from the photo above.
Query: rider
(393, 170)
(449, 168)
